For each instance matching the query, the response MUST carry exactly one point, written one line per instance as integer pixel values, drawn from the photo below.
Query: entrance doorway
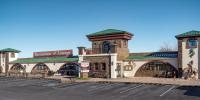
(69, 69)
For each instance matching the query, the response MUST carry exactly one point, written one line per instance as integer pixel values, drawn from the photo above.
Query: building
(109, 57)
(61, 62)
(7, 55)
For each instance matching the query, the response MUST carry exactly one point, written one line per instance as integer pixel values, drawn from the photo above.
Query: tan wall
(139, 63)
(54, 67)
(185, 56)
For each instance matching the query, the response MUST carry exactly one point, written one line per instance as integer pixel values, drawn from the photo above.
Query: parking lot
(41, 89)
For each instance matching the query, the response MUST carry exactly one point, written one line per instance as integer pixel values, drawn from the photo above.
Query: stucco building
(61, 62)
(109, 57)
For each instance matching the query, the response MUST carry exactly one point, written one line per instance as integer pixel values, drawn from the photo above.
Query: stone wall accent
(180, 53)
(100, 60)
(119, 46)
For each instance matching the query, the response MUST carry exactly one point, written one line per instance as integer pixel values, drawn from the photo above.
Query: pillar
(113, 65)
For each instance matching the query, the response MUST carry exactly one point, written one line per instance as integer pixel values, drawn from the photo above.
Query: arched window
(106, 47)
(69, 69)
(40, 68)
(156, 69)
(192, 43)
(17, 67)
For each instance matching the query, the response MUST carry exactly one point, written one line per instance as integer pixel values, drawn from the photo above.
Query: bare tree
(166, 47)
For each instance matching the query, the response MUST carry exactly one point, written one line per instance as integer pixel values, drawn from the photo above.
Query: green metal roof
(10, 50)
(192, 33)
(143, 58)
(108, 32)
(153, 55)
(44, 60)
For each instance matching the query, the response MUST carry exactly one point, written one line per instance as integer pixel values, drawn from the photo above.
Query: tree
(166, 47)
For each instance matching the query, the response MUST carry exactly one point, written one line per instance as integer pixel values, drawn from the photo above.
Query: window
(94, 43)
(192, 43)
(125, 43)
(12, 55)
(90, 66)
(96, 66)
(106, 47)
(103, 66)
(41, 67)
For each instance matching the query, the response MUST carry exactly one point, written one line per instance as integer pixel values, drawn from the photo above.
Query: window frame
(188, 43)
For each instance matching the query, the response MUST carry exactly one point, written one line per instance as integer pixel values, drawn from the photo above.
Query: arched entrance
(157, 69)
(17, 70)
(40, 69)
(69, 69)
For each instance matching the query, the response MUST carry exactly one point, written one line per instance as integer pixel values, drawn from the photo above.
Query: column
(113, 65)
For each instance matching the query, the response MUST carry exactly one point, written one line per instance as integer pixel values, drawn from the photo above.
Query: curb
(139, 83)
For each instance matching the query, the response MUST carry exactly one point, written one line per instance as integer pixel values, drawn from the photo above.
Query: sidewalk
(148, 80)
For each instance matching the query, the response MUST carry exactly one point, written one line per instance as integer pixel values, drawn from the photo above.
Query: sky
(43, 25)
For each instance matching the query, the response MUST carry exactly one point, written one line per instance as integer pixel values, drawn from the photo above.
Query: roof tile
(192, 33)
(108, 32)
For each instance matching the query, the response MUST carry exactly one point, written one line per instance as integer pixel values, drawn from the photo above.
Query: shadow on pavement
(190, 91)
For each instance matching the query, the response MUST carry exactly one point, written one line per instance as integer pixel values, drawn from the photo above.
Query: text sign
(84, 64)
(58, 53)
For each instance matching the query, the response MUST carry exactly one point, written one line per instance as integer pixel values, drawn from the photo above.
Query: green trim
(10, 50)
(192, 33)
(145, 58)
(108, 32)
(153, 55)
(45, 60)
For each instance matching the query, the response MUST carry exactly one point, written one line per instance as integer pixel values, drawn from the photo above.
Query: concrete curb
(149, 83)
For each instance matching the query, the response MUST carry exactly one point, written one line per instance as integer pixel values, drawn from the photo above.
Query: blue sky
(41, 25)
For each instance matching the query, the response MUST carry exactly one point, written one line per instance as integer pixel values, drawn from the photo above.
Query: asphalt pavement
(42, 89)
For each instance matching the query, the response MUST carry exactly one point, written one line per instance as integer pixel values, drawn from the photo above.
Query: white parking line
(104, 86)
(131, 88)
(167, 91)
(77, 85)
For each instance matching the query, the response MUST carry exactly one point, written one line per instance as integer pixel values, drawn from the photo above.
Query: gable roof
(10, 50)
(108, 32)
(153, 55)
(192, 33)
(45, 60)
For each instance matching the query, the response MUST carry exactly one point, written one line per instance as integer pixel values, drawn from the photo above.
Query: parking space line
(9, 81)
(103, 86)
(81, 85)
(167, 91)
(131, 88)
(64, 85)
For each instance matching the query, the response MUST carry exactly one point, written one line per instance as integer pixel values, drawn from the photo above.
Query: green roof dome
(192, 33)
(108, 32)
(10, 50)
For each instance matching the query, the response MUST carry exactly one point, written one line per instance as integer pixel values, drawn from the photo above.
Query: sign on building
(84, 64)
(57, 53)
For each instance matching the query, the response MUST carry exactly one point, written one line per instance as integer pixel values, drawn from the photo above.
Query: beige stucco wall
(54, 67)
(3, 60)
(12, 59)
(185, 56)
(139, 63)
